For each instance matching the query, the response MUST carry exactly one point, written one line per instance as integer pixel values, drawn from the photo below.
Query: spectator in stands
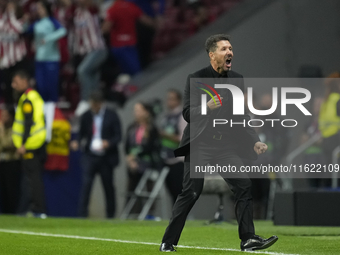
(100, 130)
(141, 147)
(29, 135)
(171, 132)
(121, 23)
(12, 46)
(145, 32)
(30, 9)
(329, 117)
(201, 17)
(9, 164)
(47, 31)
(88, 48)
(63, 13)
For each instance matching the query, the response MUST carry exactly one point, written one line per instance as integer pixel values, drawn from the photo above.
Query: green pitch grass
(56, 236)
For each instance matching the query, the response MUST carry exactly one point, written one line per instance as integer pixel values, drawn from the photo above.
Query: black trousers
(174, 179)
(10, 172)
(260, 191)
(32, 186)
(239, 184)
(93, 165)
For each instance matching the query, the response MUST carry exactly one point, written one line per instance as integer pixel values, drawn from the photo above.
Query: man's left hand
(260, 148)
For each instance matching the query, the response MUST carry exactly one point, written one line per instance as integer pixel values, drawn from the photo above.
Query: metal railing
(287, 182)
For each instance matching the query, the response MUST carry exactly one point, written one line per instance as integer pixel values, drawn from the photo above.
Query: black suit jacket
(197, 123)
(111, 131)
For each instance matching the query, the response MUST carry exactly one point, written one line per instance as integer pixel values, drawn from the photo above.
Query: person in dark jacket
(100, 133)
(222, 145)
(142, 147)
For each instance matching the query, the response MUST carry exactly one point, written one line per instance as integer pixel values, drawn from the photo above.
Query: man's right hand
(211, 104)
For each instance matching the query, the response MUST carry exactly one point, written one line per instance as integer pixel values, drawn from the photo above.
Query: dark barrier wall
(307, 208)
(62, 189)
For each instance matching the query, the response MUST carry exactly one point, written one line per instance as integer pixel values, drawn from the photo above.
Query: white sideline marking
(131, 242)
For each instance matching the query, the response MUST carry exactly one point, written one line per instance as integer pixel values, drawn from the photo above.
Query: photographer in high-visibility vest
(29, 135)
(329, 116)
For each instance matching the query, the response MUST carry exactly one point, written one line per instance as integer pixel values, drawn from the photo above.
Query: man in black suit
(223, 145)
(100, 133)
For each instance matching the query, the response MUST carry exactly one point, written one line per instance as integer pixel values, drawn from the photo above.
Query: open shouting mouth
(228, 62)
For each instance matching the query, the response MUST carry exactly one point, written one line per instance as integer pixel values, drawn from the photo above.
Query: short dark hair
(147, 107)
(48, 6)
(211, 42)
(22, 74)
(177, 93)
(97, 96)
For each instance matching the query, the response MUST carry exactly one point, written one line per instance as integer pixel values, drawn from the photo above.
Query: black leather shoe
(258, 243)
(167, 247)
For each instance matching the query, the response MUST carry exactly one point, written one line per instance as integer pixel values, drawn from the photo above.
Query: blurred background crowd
(78, 46)
(88, 59)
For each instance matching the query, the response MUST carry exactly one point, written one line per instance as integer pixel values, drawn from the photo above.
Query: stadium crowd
(78, 46)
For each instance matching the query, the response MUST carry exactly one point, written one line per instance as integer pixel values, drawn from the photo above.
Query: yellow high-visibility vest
(329, 121)
(37, 135)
